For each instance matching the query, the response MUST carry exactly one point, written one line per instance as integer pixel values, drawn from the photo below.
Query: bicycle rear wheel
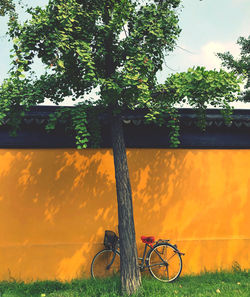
(105, 263)
(165, 263)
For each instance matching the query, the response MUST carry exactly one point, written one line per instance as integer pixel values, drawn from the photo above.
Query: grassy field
(235, 283)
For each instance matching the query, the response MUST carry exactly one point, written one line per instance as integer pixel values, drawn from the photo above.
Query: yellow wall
(55, 205)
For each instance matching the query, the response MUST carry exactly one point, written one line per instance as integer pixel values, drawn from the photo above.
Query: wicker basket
(110, 239)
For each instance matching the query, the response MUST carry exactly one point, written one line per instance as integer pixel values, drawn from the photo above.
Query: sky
(208, 27)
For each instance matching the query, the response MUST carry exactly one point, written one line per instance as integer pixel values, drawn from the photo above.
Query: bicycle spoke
(165, 263)
(106, 263)
(167, 272)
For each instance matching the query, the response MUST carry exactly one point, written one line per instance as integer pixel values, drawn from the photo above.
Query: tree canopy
(6, 6)
(240, 66)
(115, 46)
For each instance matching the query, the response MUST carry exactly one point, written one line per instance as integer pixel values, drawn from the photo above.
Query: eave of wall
(217, 135)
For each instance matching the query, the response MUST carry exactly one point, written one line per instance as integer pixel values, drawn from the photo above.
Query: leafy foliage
(199, 88)
(117, 46)
(240, 66)
(81, 120)
(6, 6)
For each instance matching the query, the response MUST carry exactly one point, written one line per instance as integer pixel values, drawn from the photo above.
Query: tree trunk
(130, 273)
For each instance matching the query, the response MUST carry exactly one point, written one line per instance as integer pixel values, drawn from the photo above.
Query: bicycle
(162, 259)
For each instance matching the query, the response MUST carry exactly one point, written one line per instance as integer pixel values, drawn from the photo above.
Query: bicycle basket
(110, 239)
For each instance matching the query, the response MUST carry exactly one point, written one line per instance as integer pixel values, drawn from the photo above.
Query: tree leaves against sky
(6, 6)
(240, 66)
(117, 46)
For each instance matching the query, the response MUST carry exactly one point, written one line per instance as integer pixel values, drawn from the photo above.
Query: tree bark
(130, 273)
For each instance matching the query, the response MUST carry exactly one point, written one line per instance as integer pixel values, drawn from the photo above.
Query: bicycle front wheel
(164, 262)
(105, 263)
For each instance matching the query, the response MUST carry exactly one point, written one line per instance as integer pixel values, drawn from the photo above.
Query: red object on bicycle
(148, 239)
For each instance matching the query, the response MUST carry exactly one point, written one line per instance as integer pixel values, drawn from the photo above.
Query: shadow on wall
(56, 204)
(197, 198)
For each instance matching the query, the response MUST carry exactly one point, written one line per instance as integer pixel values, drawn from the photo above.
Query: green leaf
(60, 63)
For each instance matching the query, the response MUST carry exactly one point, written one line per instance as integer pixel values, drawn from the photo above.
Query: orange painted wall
(55, 205)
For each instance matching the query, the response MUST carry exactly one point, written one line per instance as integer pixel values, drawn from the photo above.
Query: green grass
(235, 283)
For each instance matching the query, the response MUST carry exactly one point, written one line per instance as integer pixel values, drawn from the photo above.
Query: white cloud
(181, 59)
(207, 55)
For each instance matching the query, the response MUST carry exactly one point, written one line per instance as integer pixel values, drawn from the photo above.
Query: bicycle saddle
(148, 239)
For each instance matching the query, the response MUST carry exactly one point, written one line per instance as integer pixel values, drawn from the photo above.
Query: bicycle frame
(156, 258)
(115, 251)
(144, 259)
(143, 262)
